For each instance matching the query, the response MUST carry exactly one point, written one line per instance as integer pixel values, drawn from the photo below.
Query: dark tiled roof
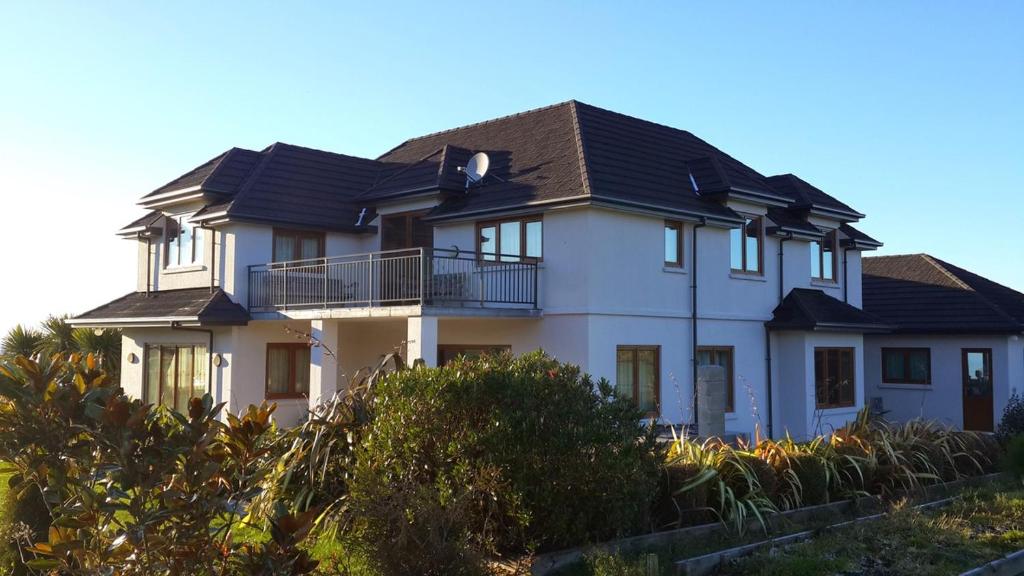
(187, 304)
(857, 236)
(438, 171)
(809, 309)
(222, 174)
(787, 220)
(149, 220)
(921, 294)
(804, 195)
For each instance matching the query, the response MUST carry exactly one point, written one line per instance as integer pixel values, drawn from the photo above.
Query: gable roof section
(438, 171)
(921, 294)
(190, 306)
(807, 197)
(810, 309)
(301, 187)
(222, 174)
(147, 223)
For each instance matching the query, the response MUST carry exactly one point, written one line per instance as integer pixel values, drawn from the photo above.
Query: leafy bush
(525, 452)
(1012, 422)
(1014, 461)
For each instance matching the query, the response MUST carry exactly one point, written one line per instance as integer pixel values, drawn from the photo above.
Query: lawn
(980, 526)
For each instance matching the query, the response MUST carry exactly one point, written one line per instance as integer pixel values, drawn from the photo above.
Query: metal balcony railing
(423, 276)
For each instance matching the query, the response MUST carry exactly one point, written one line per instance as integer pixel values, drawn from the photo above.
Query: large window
(290, 245)
(834, 384)
(636, 376)
(745, 247)
(510, 240)
(906, 365)
(448, 352)
(823, 258)
(184, 242)
(720, 356)
(287, 370)
(673, 243)
(175, 374)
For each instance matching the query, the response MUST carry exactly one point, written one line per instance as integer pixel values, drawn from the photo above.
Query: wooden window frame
(743, 247)
(321, 238)
(730, 390)
(292, 392)
(853, 367)
(905, 378)
(167, 244)
(678, 227)
(146, 351)
(496, 224)
(834, 235)
(455, 349)
(636, 374)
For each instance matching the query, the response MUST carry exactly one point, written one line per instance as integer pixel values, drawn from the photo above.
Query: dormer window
(745, 247)
(823, 258)
(184, 242)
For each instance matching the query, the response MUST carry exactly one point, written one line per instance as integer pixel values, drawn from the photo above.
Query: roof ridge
(934, 262)
(407, 166)
(265, 155)
(216, 161)
(317, 150)
(475, 124)
(580, 148)
(981, 295)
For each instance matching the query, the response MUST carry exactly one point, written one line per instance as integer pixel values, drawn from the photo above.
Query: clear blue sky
(912, 112)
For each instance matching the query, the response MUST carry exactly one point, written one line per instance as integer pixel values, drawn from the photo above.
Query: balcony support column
(421, 340)
(325, 361)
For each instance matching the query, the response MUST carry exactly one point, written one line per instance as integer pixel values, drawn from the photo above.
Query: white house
(636, 250)
(955, 353)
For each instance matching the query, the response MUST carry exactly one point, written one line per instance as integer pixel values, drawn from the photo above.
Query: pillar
(324, 361)
(421, 340)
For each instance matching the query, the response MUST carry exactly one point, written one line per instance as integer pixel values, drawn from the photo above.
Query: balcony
(416, 277)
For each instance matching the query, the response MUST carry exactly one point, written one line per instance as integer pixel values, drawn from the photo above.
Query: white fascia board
(153, 322)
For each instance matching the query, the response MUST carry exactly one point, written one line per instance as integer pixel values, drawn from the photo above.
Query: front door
(401, 237)
(977, 381)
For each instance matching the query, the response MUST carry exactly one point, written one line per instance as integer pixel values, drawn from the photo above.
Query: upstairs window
(291, 245)
(745, 247)
(636, 376)
(673, 243)
(834, 384)
(184, 242)
(511, 240)
(906, 365)
(823, 258)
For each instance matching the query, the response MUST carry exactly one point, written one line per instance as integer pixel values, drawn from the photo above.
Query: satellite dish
(476, 169)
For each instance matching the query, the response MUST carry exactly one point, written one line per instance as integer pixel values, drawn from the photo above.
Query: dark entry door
(977, 380)
(401, 237)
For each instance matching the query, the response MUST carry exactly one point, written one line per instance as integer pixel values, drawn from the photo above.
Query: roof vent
(476, 168)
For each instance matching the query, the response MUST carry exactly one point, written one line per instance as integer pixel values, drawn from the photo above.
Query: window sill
(824, 283)
(894, 386)
(674, 269)
(184, 269)
(747, 276)
(286, 397)
(852, 409)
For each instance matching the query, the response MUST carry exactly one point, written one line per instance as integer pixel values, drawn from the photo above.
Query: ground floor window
(175, 374)
(906, 365)
(720, 356)
(448, 352)
(636, 376)
(287, 370)
(834, 383)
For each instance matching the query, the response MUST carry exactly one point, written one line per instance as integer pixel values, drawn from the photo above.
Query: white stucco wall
(942, 400)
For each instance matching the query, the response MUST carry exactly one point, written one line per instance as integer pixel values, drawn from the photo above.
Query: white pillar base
(421, 340)
(325, 361)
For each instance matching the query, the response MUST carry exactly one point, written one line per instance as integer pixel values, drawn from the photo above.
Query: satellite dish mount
(476, 168)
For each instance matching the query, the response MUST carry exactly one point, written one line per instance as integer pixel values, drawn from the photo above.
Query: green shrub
(675, 506)
(546, 457)
(813, 477)
(1014, 459)
(1012, 422)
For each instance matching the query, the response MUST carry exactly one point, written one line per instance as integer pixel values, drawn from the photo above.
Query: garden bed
(632, 555)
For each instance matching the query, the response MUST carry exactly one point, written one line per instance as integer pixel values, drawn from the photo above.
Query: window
(287, 370)
(511, 239)
(184, 242)
(745, 247)
(448, 352)
(636, 376)
(823, 258)
(907, 365)
(673, 243)
(720, 356)
(833, 377)
(290, 245)
(174, 374)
